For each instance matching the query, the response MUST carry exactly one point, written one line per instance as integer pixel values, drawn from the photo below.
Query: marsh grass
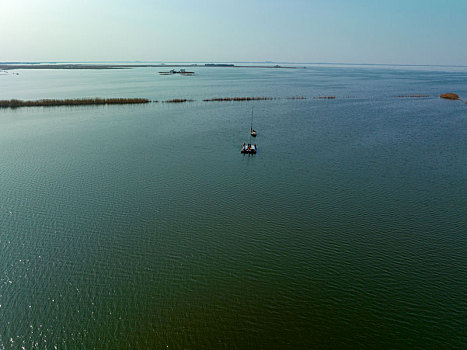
(450, 96)
(178, 100)
(226, 99)
(70, 102)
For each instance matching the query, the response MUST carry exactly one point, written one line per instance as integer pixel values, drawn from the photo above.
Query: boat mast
(251, 126)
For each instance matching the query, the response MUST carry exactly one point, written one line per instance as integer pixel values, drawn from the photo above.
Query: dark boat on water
(248, 149)
(252, 131)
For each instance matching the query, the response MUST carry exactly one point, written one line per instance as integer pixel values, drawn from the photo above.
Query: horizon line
(256, 62)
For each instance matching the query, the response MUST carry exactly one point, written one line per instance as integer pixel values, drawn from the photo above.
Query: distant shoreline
(130, 66)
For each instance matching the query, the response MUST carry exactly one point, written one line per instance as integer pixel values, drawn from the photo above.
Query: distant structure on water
(173, 71)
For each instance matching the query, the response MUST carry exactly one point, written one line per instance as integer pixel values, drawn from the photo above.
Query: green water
(143, 226)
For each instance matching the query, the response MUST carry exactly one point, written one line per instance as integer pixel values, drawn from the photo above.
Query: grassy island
(71, 102)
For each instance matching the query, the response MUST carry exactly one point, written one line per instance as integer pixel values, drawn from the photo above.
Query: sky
(302, 31)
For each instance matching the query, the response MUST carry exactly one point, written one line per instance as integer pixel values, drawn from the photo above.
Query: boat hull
(248, 149)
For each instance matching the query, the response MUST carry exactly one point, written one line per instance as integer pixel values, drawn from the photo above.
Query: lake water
(142, 226)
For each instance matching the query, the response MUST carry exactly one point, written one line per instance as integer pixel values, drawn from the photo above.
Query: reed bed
(226, 99)
(450, 96)
(178, 100)
(15, 103)
(70, 102)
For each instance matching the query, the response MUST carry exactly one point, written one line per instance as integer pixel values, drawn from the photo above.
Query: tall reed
(14, 103)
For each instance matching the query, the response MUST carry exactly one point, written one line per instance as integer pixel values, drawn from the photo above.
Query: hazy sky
(353, 31)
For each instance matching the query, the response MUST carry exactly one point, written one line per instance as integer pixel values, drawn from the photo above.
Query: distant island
(219, 65)
(16, 65)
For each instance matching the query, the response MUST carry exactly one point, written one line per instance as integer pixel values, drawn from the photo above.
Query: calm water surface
(143, 226)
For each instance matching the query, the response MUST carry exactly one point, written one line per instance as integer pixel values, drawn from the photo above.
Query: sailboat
(252, 131)
(249, 148)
